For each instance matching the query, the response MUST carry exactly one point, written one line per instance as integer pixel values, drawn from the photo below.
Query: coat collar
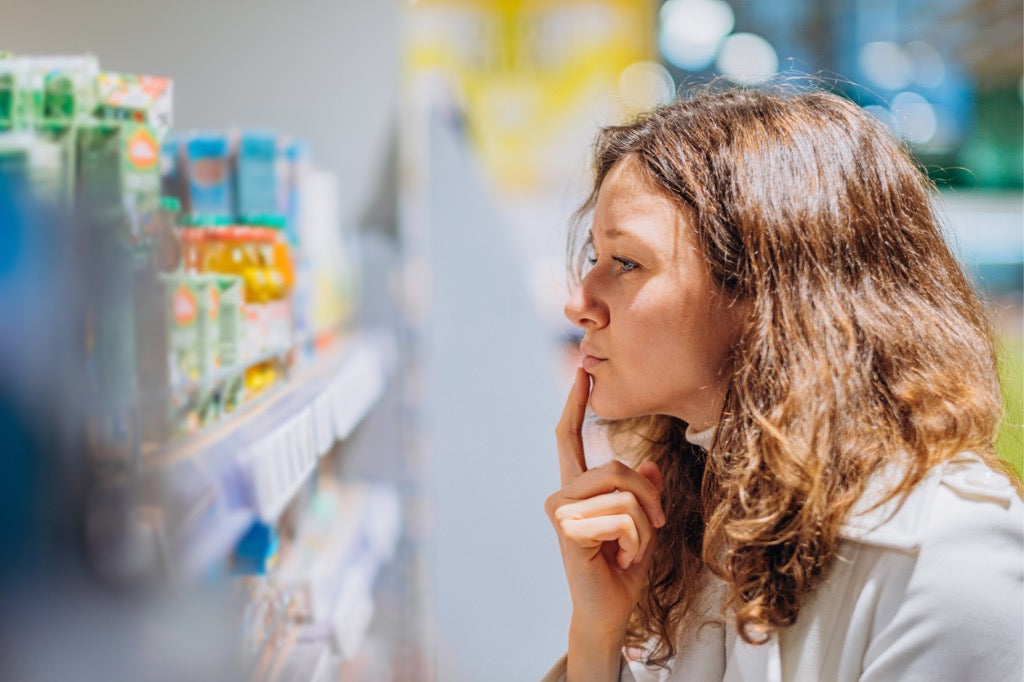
(900, 523)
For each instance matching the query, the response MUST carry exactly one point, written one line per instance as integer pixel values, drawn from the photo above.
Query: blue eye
(625, 265)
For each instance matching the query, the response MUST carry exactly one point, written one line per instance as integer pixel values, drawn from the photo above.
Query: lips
(591, 360)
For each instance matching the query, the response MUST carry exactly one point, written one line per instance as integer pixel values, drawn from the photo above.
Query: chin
(608, 407)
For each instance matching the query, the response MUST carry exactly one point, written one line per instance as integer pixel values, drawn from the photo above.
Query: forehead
(629, 203)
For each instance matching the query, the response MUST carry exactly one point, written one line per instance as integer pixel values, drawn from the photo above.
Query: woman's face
(657, 333)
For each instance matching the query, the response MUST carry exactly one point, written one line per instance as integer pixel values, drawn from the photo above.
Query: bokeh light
(692, 30)
(747, 59)
(886, 65)
(929, 68)
(646, 84)
(915, 117)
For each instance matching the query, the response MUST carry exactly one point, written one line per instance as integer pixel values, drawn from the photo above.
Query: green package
(53, 164)
(119, 173)
(192, 324)
(231, 324)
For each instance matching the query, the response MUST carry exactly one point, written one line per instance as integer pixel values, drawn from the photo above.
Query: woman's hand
(605, 519)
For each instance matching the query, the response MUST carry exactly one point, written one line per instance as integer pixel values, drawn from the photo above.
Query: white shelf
(335, 561)
(307, 662)
(250, 467)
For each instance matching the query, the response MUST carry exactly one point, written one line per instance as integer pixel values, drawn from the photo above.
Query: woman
(782, 345)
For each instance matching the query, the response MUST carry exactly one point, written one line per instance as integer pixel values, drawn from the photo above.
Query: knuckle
(552, 503)
(569, 530)
(626, 499)
(616, 467)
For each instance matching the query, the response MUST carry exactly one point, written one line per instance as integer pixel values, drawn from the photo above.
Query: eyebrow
(612, 233)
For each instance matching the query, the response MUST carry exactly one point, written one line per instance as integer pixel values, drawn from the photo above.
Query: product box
(231, 394)
(69, 88)
(279, 325)
(152, 339)
(172, 182)
(40, 163)
(100, 173)
(9, 93)
(47, 97)
(193, 328)
(193, 410)
(52, 163)
(297, 164)
(37, 90)
(140, 99)
(14, 161)
(256, 175)
(193, 323)
(256, 318)
(208, 176)
(231, 324)
(118, 172)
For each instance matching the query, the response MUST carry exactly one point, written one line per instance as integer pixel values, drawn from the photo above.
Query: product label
(214, 310)
(193, 327)
(184, 305)
(230, 325)
(185, 327)
(257, 330)
(143, 149)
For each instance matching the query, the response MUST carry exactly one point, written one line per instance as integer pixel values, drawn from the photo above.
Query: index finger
(568, 433)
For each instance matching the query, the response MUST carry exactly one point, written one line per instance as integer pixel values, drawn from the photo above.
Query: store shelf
(306, 662)
(249, 468)
(349, 533)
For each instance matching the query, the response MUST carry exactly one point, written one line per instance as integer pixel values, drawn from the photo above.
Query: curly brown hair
(865, 344)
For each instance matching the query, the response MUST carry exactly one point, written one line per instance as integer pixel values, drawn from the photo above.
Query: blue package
(170, 168)
(255, 550)
(209, 176)
(297, 156)
(256, 176)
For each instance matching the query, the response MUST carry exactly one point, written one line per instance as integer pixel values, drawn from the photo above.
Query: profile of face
(658, 334)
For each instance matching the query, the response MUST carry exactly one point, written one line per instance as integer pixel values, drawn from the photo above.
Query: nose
(584, 308)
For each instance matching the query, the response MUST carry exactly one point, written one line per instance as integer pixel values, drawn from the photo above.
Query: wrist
(585, 629)
(594, 653)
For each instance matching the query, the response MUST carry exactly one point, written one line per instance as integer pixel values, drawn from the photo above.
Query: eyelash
(626, 265)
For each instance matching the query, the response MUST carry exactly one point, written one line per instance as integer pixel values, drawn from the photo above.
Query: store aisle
(502, 606)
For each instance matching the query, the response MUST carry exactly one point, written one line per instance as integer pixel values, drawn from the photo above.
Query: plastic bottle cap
(272, 220)
(207, 221)
(170, 204)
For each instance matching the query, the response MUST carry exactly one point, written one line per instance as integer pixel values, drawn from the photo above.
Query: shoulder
(972, 544)
(974, 504)
(949, 564)
(951, 551)
(960, 500)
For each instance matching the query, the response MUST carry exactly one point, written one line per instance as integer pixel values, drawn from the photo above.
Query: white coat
(930, 589)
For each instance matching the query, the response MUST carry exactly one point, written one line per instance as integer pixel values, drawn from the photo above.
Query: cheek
(689, 344)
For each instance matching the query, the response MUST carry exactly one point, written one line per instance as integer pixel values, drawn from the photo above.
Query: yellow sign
(534, 78)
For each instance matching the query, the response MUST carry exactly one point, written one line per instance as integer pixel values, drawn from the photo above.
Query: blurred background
(281, 289)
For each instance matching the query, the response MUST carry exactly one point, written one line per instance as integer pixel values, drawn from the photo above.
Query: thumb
(652, 473)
